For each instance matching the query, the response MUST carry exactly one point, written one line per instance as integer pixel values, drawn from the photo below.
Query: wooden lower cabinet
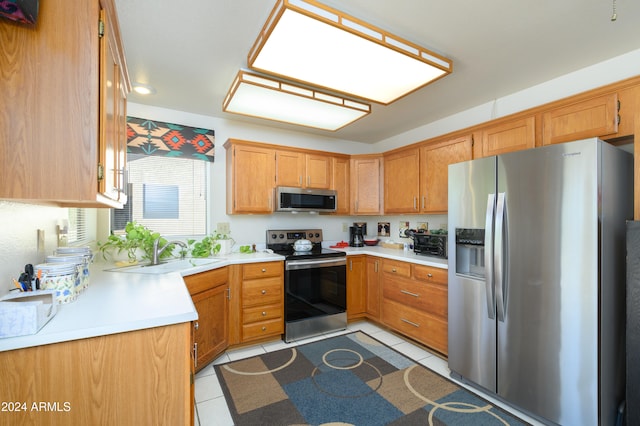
(414, 302)
(261, 300)
(373, 287)
(210, 294)
(140, 377)
(356, 287)
(416, 324)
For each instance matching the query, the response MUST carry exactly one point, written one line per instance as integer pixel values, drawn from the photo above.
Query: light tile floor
(211, 407)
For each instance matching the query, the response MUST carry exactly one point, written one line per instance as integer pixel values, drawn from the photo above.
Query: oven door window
(315, 292)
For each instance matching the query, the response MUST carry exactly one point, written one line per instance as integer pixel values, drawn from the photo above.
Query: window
(165, 194)
(77, 232)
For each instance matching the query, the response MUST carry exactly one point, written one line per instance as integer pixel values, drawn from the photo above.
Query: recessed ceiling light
(143, 89)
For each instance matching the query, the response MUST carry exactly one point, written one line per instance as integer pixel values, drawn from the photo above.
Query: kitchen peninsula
(120, 354)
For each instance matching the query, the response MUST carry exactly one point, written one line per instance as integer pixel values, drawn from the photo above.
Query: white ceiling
(191, 50)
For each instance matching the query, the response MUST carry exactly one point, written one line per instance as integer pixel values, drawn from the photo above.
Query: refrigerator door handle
(488, 256)
(499, 255)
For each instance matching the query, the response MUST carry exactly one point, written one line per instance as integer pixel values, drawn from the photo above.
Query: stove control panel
(290, 236)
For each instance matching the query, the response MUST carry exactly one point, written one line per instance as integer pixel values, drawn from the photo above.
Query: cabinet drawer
(198, 283)
(261, 313)
(262, 292)
(262, 329)
(260, 270)
(420, 326)
(401, 269)
(429, 274)
(425, 297)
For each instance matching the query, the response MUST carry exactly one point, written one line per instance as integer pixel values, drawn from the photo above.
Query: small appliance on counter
(356, 236)
(430, 244)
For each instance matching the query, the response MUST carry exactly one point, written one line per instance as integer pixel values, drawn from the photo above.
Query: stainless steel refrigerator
(537, 278)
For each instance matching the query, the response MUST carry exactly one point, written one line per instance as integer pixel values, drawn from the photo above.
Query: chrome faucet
(155, 259)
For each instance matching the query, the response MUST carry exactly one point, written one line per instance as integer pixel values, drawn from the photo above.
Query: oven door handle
(315, 263)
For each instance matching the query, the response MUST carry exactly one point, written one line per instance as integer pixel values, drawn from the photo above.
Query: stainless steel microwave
(289, 199)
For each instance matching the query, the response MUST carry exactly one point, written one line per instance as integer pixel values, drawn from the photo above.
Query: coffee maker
(356, 236)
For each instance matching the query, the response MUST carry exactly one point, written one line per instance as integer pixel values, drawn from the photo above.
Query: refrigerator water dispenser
(470, 253)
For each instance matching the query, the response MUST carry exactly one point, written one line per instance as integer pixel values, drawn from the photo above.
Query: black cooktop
(315, 253)
(281, 241)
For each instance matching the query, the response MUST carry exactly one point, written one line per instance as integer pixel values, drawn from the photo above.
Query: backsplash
(18, 237)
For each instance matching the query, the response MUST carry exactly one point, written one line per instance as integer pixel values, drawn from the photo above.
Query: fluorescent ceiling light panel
(308, 42)
(260, 96)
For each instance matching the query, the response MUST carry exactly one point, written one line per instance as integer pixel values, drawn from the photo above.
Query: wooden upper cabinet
(318, 168)
(302, 170)
(340, 183)
(434, 171)
(113, 120)
(510, 136)
(289, 168)
(250, 178)
(365, 172)
(50, 113)
(402, 181)
(593, 117)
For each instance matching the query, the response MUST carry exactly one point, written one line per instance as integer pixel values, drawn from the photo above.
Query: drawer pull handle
(264, 328)
(196, 325)
(393, 269)
(410, 322)
(430, 275)
(264, 314)
(264, 269)
(264, 291)
(409, 293)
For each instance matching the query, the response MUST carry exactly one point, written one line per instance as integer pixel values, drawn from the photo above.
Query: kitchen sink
(177, 265)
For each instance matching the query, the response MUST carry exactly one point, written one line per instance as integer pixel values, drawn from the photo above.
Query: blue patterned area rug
(348, 380)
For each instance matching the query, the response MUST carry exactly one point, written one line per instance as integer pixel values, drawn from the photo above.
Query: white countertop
(117, 302)
(396, 254)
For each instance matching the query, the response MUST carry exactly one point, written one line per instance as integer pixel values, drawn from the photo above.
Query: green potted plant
(137, 242)
(212, 244)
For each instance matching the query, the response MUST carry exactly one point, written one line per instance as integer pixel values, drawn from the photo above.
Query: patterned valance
(149, 137)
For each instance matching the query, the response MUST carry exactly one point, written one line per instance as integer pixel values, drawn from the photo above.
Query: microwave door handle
(488, 256)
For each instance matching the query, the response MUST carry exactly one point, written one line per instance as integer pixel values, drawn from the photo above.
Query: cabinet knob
(264, 291)
(264, 328)
(430, 275)
(196, 325)
(264, 269)
(264, 314)
(393, 269)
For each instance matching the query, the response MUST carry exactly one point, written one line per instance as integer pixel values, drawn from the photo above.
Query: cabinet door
(211, 327)
(318, 171)
(365, 185)
(507, 137)
(250, 173)
(290, 169)
(373, 287)
(434, 172)
(109, 123)
(356, 292)
(340, 183)
(594, 117)
(402, 181)
(121, 148)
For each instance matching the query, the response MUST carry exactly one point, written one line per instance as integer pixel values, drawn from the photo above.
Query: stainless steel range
(315, 284)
